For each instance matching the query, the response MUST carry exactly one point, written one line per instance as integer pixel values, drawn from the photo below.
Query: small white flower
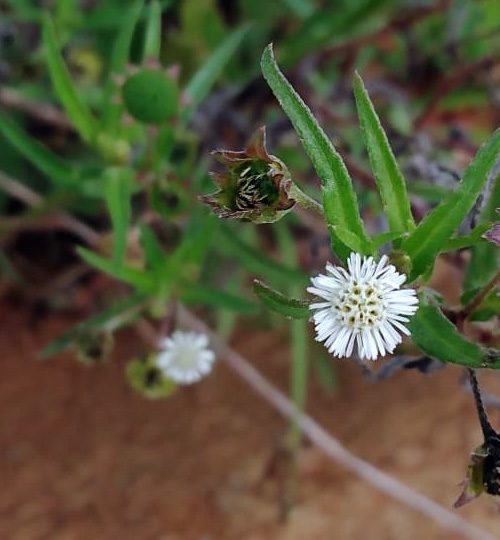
(185, 357)
(363, 306)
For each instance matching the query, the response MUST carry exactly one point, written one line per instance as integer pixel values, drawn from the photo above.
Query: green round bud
(114, 150)
(151, 96)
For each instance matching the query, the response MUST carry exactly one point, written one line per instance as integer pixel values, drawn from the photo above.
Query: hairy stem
(304, 200)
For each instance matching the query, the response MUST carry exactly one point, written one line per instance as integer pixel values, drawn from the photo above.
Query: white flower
(185, 357)
(363, 306)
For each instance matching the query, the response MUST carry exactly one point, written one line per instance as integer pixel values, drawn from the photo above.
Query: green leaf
(339, 199)
(75, 108)
(385, 237)
(334, 23)
(117, 190)
(255, 262)
(432, 233)
(58, 171)
(390, 181)
(137, 278)
(485, 256)
(490, 307)
(355, 243)
(194, 293)
(110, 319)
(119, 59)
(152, 33)
(203, 80)
(461, 242)
(154, 253)
(274, 300)
(428, 191)
(436, 336)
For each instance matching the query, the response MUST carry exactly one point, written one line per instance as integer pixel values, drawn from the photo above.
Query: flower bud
(255, 186)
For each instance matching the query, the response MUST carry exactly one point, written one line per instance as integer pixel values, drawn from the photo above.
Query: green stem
(304, 200)
(299, 368)
(480, 296)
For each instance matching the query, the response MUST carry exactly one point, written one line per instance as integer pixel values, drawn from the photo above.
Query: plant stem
(486, 428)
(480, 296)
(304, 200)
(298, 372)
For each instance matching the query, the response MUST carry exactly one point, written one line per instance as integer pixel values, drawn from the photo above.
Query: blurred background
(108, 113)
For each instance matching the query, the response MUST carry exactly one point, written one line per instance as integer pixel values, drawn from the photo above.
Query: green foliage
(339, 199)
(122, 155)
(439, 338)
(152, 34)
(274, 300)
(76, 109)
(202, 81)
(117, 189)
(118, 61)
(485, 256)
(390, 181)
(432, 233)
(57, 170)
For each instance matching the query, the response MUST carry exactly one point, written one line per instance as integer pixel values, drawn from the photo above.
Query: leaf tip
(268, 51)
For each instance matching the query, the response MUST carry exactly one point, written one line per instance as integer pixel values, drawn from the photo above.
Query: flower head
(255, 186)
(362, 306)
(185, 357)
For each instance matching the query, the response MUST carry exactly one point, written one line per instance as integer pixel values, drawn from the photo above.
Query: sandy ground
(82, 457)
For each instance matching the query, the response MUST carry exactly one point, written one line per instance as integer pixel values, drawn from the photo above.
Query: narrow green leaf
(385, 237)
(119, 58)
(117, 191)
(390, 181)
(432, 233)
(152, 34)
(334, 23)
(195, 293)
(428, 191)
(255, 262)
(485, 256)
(203, 80)
(109, 319)
(355, 243)
(437, 336)
(154, 254)
(75, 108)
(137, 278)
(460, 242)
(274, 300)
(339, 199)
(58, 171)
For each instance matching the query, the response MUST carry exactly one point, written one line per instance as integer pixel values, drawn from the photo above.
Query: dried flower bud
(493, 235)
(483, 473)
(473, 483)
(93, 346)
(255, 187)
(145, 377)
